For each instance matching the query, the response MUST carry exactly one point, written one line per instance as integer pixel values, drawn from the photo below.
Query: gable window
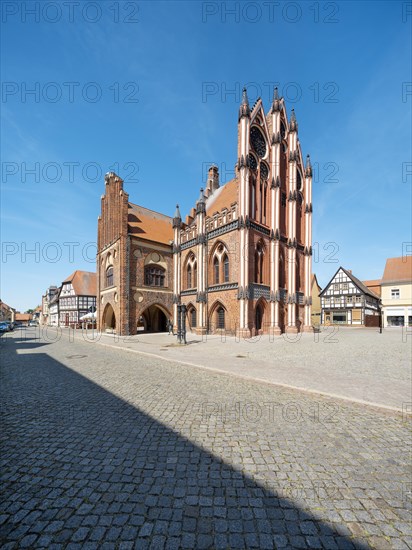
(154, 276)
(109, 276)
(395, 293)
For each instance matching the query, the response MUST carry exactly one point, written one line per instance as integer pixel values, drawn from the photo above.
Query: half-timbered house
(77, 297)
(347, 301)
(53, 317)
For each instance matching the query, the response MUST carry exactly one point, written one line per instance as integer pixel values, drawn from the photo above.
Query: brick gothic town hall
(242, 259)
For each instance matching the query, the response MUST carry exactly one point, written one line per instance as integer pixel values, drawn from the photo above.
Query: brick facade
(241, 261)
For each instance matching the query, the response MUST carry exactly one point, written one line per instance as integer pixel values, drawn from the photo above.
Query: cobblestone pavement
(106, 449)
(358, 364)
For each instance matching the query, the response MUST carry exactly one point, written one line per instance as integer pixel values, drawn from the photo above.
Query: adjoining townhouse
(348, 301)
(23, 318)
(316, 307)
(45, 304)
(77, 297)
(374, 285)
(134, 264)
(53, 308)
(242, 259)
(37, 313)
(7, 313)
(396, 292)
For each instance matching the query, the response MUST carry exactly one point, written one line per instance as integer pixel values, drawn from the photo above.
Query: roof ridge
(149, 210)
(359, 283)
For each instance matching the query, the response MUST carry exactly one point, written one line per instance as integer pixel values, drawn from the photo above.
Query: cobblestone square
(102, 448)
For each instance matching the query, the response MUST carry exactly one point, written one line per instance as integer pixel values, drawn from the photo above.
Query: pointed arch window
(265, 197)
(225, 269)
(191, 272)
(259, 264)
(193, 317)
(216, 270)
(264, 171)
(252, 162)
(109, 276)
(195, 274)
(220, 317)
(253, 200)
(282, 130)
(282, 271)
(258, 141)
(298, 180)
(189, 276)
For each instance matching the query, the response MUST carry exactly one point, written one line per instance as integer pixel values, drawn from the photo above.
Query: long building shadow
(81, 465)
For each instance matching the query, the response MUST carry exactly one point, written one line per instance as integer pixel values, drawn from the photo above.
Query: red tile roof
(374, 285)
(359, 283)
(84, 282)
(398, 270)
(149, 225)
(223, 197)
(23, 317)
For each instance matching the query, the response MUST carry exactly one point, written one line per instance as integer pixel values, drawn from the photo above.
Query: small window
(154, 276)
(109, 276)
(345, 286)
(395, 293)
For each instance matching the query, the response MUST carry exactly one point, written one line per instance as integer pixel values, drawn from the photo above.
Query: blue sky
(151, 89)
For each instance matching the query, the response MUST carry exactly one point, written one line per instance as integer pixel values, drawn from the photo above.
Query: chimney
(212, 179)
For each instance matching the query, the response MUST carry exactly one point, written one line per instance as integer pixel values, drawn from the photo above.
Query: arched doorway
(109, 318)
(259, 311)
(155, 319)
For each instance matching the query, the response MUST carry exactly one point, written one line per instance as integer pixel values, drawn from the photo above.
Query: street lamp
(381, 321)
